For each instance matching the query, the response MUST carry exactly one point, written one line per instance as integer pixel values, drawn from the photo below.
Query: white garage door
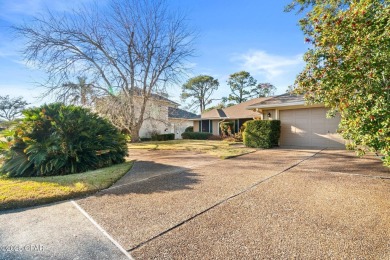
(309, 127)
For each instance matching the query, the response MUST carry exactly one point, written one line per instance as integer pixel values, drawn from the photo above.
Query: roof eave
(183, 118)
(210, 118)
(300, 103)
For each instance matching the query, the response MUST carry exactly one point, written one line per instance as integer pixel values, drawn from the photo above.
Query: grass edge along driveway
(33, 191)
(221, 149)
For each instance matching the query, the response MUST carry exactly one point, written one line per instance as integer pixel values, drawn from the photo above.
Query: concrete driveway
(279, 203)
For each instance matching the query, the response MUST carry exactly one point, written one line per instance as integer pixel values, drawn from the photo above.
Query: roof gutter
(300, 103)
(209, 118)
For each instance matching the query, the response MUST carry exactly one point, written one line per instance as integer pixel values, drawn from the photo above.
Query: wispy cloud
(259, 62)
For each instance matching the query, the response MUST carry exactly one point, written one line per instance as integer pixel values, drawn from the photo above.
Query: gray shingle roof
(280, 100)
(180, 113)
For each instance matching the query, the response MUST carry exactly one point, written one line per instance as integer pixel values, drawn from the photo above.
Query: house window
(206, 126)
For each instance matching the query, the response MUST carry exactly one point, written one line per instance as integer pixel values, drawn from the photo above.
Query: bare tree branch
(134, 46)
(10, 108)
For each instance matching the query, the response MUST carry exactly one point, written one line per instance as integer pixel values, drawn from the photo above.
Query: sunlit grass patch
(220, 149)
(22, 192)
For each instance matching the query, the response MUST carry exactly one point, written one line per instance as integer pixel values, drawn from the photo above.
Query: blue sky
(252, 35)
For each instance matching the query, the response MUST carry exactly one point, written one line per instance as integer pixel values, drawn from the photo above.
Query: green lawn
(23, 192)
(221, 149)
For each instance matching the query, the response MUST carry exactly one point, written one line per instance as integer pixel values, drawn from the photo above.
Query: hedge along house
(210, 121)
(301, 125)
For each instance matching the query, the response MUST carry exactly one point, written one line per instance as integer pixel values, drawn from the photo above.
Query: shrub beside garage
(261, 133)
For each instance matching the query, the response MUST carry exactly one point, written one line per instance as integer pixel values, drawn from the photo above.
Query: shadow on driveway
(138, 180)
(158, 180)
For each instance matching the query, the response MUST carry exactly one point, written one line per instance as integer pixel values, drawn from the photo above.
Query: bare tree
(10, 108)
(134, 47)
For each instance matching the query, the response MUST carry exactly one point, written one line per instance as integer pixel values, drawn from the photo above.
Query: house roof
(214, 113)
(162, 98)
(279, 101)
(234, 112)
(180, 113)
(156, 96)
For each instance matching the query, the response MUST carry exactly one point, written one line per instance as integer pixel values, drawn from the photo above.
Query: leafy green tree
(218, 106)
(263, 90)
(10, 108)
(241, 85)
(347, 67)
(56, 140)
(199, 89)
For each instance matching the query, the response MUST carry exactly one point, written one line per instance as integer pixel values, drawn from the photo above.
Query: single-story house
(301, 125)
(238, 114)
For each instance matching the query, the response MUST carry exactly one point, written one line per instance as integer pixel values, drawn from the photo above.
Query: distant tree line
(198, 90)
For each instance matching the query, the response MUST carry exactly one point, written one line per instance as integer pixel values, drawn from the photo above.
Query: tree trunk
(135, 138)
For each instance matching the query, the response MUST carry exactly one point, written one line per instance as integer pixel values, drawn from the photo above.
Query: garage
(309, 127)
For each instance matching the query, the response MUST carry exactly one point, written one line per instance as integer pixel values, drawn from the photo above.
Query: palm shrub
(56, 139)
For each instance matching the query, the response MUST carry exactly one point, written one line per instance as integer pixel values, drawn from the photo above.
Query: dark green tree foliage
(57, 140)
(347, 67)
(244, 87)
(261, 133)
(241, 85)
(199, 89)
(263, 90)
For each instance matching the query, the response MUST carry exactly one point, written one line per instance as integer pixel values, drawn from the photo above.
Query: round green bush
(189, 129)
(56, 139)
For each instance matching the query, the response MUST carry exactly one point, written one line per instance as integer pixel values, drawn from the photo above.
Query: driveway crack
(222, 201)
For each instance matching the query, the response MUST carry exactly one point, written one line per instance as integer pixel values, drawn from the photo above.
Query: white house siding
(155, 119)
(178, 126)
